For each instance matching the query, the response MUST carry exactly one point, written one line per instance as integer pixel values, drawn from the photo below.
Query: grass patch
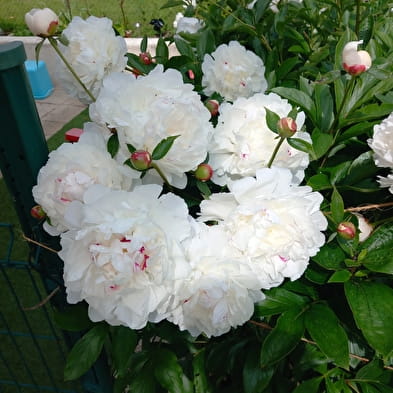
(136, 12)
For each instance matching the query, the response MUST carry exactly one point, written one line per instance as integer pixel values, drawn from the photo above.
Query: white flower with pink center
(275, 224)
(148, 109)
(69, 172)
(221, 290)
(242, 142)
(127, 256)
(233, 72)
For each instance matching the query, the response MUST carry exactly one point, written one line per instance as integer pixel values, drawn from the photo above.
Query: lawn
(137, 13)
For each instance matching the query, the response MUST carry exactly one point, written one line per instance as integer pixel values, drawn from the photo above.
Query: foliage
(331, 330)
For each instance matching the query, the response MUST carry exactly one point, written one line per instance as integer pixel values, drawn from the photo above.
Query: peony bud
(42, 22)
(346, 230)
(355, 62)
(286, 127)
(191, 74)
(37, 212)
(141, 160)
(213, 106)
(204, 172)
(146, 58)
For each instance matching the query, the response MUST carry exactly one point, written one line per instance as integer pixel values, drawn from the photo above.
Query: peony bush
(225, 218)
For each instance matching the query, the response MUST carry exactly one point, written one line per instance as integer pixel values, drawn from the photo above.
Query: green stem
(275, 151)
(68, 65)
(163, 177)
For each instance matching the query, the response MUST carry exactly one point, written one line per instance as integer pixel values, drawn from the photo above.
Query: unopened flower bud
(37, 212)
(191, 74)
(146, 58)
(213, 106)
(346, 230)
(42, 22)
(204, 172)
(355, 62)
(286, 127)
(141, 160)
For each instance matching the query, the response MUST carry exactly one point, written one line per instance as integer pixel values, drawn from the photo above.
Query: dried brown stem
(369, 207)
(38, 244)
(43, 302)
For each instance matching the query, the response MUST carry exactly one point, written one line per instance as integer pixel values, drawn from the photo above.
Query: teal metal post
(23, 151)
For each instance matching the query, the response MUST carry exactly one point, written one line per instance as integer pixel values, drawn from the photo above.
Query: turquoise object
(39, 79)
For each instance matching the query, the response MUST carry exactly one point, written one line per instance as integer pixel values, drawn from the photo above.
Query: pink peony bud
(42, 22)
(146, 58)
(204, 172)
(191, 74)
(286, 127)
(141, 160)
(37, 212)
(346, 230)
(355, 62)
(213, 106)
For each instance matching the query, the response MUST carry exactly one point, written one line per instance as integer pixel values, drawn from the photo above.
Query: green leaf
(278, 300)
(131, 148)
(321, 142)
(143, 381)
(330, 256)
(379, 246)
(355, 130)
(184, 48)
(169, 373)
(85, 352)
(337, 206)
(325, 329)
(163, 147)
(124, 341)
(37, 49)
(309, 386)
(372, 304)
(203, 188)
(201, 384)
(319, 182)
(206, 43)
(143, 45)
(324, 109)
(255, 379)
(302, 145)
(299, 98)
(283, 339)
(286, 67)
(340, 276)
(271, 120)
(113, 145)
(162, 52)
(74, 318)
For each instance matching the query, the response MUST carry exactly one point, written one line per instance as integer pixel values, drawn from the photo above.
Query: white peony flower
(188, 25)
(178, 16)
(233, 72)
(69, 172)
(387, 182)
(382, 143)
(221, 291)
(127, 255)
(274, 223)
(242, 142)
(94, 51)
(148, 109)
